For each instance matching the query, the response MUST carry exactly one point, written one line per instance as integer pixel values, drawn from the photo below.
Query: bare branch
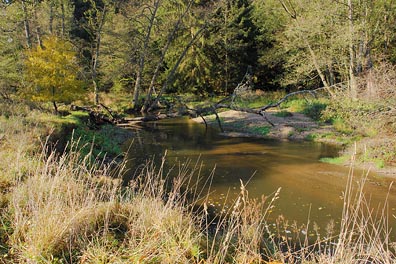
(292, 13)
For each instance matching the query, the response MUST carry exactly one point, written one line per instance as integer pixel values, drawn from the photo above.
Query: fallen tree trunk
(229, 102)
(95, 118)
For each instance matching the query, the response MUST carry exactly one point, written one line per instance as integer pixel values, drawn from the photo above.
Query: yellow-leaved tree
(52, 72)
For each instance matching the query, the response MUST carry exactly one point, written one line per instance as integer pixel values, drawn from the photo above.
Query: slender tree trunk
(95, 57)
(170, 38)
(138, 81)
(142, 58)
(314, 59)
(331, 74)
(171, 74)
(62, 18)
(226, 62)
(51, 17)
(316, 64)
(352, 79)
(55, 107)
(38, 28)
(26, 25)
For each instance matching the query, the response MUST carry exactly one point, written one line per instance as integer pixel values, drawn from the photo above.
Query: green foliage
(360, 117)
(336, 161)
(262, 130)
(10, 51)
(270, 20)
(312, 137)
(314, 110)
(258, 98)
(283, 113)
(52, 72)
(341, 126)
(295, 105)
(103, 142)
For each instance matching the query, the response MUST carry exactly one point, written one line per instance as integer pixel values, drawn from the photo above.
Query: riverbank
(70, 207)
(287, 125)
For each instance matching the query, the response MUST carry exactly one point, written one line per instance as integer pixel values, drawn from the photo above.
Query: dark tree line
(146, 48)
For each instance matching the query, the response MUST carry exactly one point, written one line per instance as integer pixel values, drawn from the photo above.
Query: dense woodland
(63, 201)
(56, 50)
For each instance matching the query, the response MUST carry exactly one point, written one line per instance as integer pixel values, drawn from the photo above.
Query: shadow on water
(310, 189)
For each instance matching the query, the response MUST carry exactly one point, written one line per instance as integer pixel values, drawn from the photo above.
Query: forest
(332, 60)
(200, 47)
(138, 56)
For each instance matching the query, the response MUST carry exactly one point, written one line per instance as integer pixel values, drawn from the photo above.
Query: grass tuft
(336, 160)
(64, 208)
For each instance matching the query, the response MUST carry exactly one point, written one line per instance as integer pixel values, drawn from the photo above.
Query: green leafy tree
(52, 72)
(10, 48)
(220, 59)
(235, 42)
(96, 16)
(322, 42)
(270, 20)
(195, 72)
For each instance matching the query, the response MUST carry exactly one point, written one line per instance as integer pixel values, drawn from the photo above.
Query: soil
(294, 126)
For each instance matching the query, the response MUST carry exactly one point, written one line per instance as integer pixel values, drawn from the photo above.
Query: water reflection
(309, 188)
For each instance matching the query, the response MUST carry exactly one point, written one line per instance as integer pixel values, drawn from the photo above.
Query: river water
(310, 189)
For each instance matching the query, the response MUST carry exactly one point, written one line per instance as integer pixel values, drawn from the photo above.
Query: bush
(315, 110)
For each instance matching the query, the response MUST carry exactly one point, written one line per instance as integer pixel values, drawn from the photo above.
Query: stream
(310, 189)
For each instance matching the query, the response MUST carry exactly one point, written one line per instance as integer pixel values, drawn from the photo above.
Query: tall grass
(364, 235)
(64, 208)
(70, 210)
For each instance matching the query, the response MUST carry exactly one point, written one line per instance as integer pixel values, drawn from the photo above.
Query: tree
(235, 42)
(218, 60)
(10, 48)
(270, 20)
(173, 31)
(96, 16)
(151, 16)
(52, 72)
(153, 30)
(196, 70)
(327, 42)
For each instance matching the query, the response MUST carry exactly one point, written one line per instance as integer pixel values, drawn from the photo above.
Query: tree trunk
(136, 90)
(95, 57)
(317, 67)
(55, 107)
(170, 38)
(51, 17)
(352, 79)
(175, 67)
(331, 74)
(139, 74)
(226, 61)
(26, 25)
(38, 28)
(63, 18)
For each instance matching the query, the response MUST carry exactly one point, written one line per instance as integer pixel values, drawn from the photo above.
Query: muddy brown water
(310, 189)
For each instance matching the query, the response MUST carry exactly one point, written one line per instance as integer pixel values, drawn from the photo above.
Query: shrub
(314, 110)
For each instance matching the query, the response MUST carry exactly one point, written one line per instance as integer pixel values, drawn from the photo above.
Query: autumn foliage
(52, 72)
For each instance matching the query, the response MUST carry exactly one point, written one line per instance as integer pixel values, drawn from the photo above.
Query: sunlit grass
(64, 208)
(341, 160)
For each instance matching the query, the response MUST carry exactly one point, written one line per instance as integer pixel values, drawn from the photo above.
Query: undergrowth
(64, 208)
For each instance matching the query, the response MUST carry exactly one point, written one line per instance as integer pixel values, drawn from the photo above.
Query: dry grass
(62, 208)
(70, 210)
(364, 234)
